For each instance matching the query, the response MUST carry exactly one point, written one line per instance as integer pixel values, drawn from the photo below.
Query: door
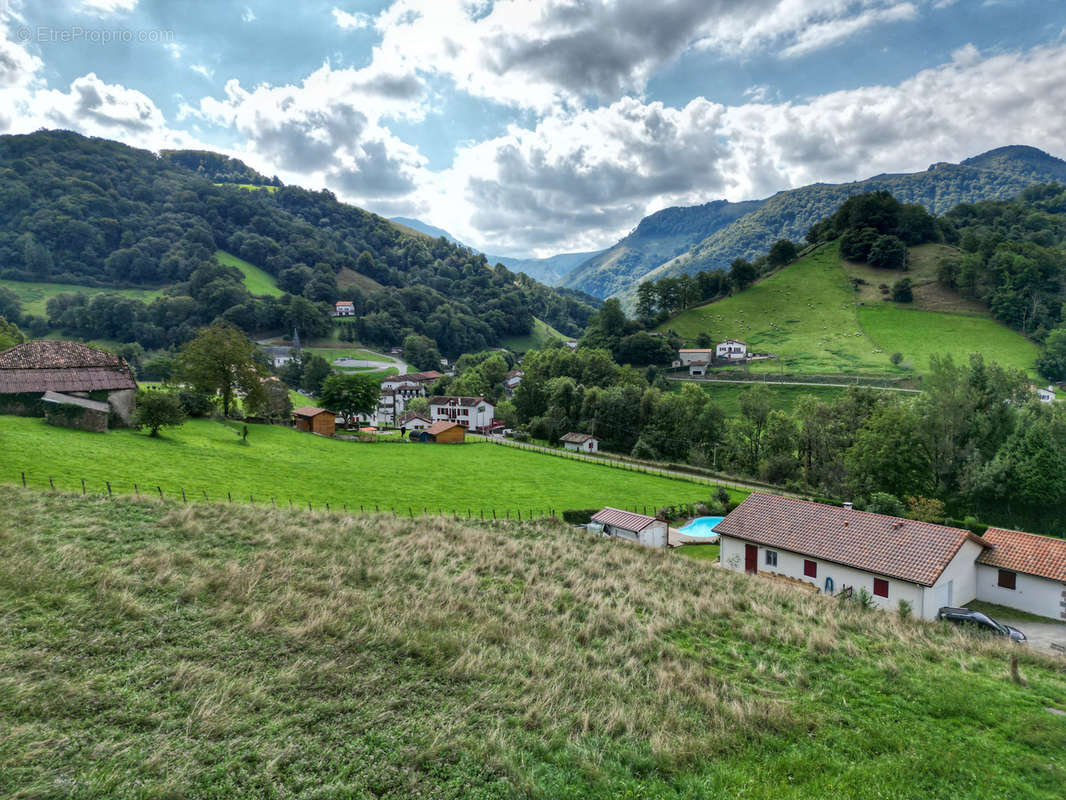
(751, 558)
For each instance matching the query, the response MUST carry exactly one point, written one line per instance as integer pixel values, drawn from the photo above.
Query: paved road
(611, 462)
(1041, 635)
(800, 383)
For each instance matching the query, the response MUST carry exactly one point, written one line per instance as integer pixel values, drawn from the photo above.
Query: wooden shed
(315, 420)
(444, 432)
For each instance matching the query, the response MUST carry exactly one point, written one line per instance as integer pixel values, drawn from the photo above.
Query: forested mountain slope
(658, 238)
(996, 175)
(98, 213)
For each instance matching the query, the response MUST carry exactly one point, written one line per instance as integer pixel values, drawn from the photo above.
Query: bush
(902, 291)
(157, 410)
(521, 436)
(196, 404)
(905, 609)
(896, 358)
(885, 503)
(579, 516)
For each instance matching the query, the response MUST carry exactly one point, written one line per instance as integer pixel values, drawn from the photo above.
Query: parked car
(976, 621)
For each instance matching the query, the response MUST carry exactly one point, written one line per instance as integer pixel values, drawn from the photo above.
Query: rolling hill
(997, 174)
(812, 316)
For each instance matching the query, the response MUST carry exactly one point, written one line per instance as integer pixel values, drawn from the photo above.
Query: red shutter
(810, 568)
(880, 587)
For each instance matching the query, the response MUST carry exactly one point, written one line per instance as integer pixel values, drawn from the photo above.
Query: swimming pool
(701, 526)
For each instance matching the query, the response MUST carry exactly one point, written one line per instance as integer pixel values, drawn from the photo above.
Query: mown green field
(278, 462)
(34, 296)
(542, 334)
(807, 314)
(917, 335)
(783, 398)
(256, 280)
(206, 651)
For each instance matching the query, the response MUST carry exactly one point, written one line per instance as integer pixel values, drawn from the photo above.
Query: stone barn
(29, 370)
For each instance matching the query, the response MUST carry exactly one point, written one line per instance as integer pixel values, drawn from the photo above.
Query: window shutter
(880, 587)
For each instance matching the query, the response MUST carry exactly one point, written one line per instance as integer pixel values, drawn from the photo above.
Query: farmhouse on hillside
(1045, 395)
(512, 379)
(690, 355)
(443, 432)
(29, 370)
(583, 442)
(731, 350)
(315, 420)
(473, 413)
(344, 308)
(929, 566)
(648, 531)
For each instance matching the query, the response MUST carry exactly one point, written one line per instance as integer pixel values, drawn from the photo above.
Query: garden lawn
(917, 335)
(34, 296)
(207, 456)
(256, 280)
(152, 650)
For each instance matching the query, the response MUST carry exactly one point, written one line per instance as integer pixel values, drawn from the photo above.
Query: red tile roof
(309, 411)
(52, 365)
(899, 548)
(441, 400)
(623, 519)
(1030, 553)
(423, 377)
(441, 426)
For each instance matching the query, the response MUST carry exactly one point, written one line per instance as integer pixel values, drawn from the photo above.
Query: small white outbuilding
(648, 531)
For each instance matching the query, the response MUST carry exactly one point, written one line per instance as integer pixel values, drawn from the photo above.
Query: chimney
(847, 506)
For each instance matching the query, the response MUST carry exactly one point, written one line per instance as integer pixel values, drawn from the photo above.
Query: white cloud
(108, 7)
(248, 15)
(346, 20)
(207, 72)
(823, 34)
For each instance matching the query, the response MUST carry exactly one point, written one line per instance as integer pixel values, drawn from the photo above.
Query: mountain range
(685, 240)
(548, 270)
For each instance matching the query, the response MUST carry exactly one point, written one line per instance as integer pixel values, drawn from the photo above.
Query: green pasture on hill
(256, 280)
(34, 296)
(807, 314)
(541, 335)
(278, 462)
(152, 650)
(783, 398)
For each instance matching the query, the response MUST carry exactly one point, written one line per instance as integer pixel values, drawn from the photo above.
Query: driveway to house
(349, 363)
(1041, 635)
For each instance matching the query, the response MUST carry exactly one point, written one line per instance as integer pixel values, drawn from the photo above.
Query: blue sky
(542, 127)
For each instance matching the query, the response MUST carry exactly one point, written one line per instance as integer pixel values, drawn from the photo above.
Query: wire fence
(170, 494)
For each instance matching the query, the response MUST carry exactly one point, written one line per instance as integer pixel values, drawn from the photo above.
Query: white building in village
(928, 566)
(639, 528)
(731, 350)
(473, 413)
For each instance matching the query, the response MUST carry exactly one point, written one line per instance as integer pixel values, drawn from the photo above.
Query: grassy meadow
(256, 280)
(542, 334)
(809, 314)
(34, 296)
(203, 651)
(208, 456)
(783, 398)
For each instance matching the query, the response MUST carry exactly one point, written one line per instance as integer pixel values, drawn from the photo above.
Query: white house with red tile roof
(473, 413)
(645, 530)
(344, 308)
(732, 350)
(1023, 571)
(585, 442)
(894, 559)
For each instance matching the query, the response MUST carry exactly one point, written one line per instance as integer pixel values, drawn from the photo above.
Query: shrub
(863, 598)
(885, 503)
(896, 358)
(579, 516)
(157, 410)
(196, 404)
(905, 609)
(902, 291)
(521, 436)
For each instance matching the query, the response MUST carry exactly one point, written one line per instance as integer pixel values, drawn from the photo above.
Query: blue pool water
(701, 526)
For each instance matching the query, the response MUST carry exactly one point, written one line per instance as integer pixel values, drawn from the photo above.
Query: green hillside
(807, 313)
(278, 462)
(159, 650)
(256, 281)
(542, 334)
(34, 295)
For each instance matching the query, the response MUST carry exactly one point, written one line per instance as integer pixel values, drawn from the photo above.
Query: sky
(535, 128)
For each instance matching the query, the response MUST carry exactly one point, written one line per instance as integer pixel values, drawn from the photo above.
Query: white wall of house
(687, 357)
(957, 584)
(791, 565)
(1030, 593)
(652, 536)
(731, 349)
(588, 446)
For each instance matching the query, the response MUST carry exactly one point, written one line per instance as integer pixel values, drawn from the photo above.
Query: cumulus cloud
(105, 8)
(346, 20)
(582, 180)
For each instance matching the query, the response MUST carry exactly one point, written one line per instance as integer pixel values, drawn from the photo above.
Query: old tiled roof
(623, 519)
(67, 400)
(576, 438)
(441, 400)
(899, 548)
(696, 350)
(440, 427)
(1030, 553)
(309, 411)
(422, 377)
(57, 366)
(412, 415)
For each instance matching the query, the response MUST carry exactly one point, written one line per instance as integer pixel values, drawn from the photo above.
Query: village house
(1044, 395)
(473, 413)
(927, 565)
(511, 380)
(442, 432)
(396, 392)
(648, 531)
(344, 308)
(583, 442)
(315, 420)
(690, 355)
(70, 369)
(731, 350)
(411, 422)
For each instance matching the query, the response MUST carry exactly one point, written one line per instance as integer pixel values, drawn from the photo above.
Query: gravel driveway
(1039, 634)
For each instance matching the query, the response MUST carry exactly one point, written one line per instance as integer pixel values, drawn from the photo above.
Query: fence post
(23, 480)
(183, 496)
(275, 505)
(494, 513)
(308, 505)
(83, 485)
(108, 488)
(206, 500)
(327, 506)
(160, 488)
(229, 497)
(51, 483)
(136, 491)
